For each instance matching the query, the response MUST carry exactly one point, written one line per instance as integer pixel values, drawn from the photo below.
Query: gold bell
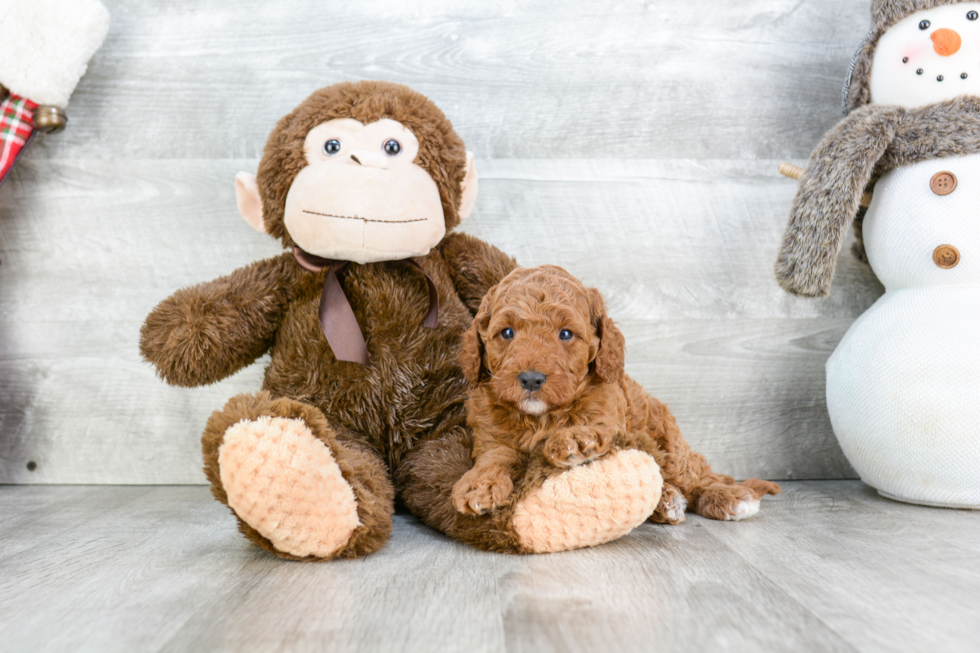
(49, 119)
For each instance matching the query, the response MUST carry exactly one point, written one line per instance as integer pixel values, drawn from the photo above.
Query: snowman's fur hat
(884, 14)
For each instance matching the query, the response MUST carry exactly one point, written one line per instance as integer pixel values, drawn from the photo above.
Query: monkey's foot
(589, 504)
(285, 483)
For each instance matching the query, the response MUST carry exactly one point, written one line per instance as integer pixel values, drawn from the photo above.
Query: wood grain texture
(680, 249)
(589, 79)
(826, 566)
(633, 142)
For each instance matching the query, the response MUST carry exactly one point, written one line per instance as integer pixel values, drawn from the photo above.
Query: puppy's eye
(507, 334)
(331, 147)
(924, 24)
(392, 147)
(565, 334)
(972, 15)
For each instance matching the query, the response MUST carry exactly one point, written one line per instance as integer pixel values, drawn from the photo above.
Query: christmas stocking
(45, 46)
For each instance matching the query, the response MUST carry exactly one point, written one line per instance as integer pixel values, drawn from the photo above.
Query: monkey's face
(361, 196)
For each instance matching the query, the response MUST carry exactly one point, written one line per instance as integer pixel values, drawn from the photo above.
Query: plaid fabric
(16, 130)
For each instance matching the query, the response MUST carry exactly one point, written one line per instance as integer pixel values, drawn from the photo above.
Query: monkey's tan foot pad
(284, 482)
(590, 504)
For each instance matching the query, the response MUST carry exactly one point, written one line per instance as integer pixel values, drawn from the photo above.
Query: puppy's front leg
(488, 484)
(577, 445)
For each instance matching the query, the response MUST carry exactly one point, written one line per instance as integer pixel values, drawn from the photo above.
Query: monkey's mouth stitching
(356, 217)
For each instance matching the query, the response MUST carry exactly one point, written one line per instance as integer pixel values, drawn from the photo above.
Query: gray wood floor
(826, 566)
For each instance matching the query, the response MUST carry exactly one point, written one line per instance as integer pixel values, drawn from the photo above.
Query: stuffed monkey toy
(363, 317)
(45, 46)
(903, 386)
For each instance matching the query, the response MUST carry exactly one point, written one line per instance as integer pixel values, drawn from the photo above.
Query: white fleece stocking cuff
(47, 45)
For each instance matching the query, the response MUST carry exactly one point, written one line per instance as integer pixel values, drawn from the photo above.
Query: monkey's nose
(946, 42)
(531, 380)
(369, 159)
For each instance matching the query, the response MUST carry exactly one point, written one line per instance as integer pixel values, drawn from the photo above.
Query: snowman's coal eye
(972, 15)
(924, 24)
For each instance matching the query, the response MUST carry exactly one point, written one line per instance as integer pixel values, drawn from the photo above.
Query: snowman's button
(946, 256)
(943, 183)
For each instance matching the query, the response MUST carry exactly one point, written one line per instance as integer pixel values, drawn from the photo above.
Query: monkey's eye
(392, 147)
(507, 334)
(331, 147)
(565, 334)
(924, 24)
(972, 15)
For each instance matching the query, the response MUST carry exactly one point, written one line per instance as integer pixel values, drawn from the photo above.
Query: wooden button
(943, 183)
(946, 256)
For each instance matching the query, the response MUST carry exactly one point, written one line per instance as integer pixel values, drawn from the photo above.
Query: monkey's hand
(476, 267)
(202, 334)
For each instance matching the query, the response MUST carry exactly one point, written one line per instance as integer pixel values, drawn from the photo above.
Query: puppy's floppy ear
(610, 360)
(471, 354)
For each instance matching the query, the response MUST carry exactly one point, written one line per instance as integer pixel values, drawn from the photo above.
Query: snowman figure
(903, 386)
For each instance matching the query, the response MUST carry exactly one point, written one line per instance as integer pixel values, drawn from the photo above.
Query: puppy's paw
(761, 488)
(671, 508)
(744, 509)
(575, 445)
(727, 502)
(481, 490)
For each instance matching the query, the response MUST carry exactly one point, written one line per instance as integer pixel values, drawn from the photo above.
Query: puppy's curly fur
(543, 322)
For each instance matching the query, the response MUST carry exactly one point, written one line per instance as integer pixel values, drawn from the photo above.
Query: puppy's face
(538, 338)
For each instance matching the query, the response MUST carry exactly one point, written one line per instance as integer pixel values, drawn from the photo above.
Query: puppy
(545, 366)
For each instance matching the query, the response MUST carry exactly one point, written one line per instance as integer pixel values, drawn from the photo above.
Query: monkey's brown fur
(591, 402)
(394, 427)
(413, 391)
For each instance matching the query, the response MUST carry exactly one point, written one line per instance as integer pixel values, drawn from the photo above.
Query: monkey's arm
(475, 267)
(829, 196)
(202, 334)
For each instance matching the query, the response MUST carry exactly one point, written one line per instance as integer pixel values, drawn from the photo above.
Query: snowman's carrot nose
(946, 42)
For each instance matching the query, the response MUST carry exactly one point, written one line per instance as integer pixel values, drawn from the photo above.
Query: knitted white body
(903, 386)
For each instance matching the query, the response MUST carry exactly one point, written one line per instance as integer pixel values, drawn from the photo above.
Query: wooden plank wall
(633, 142)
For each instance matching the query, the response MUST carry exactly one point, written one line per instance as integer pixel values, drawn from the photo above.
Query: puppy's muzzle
(531, 380)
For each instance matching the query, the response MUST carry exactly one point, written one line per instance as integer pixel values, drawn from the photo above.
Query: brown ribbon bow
(337, 318)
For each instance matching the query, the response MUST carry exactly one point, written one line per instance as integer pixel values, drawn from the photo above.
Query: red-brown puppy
(545, 365)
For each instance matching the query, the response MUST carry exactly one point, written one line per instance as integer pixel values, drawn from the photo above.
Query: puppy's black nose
(531, 381)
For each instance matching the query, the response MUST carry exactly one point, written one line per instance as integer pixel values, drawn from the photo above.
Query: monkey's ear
(468, 200)
(249, 201)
